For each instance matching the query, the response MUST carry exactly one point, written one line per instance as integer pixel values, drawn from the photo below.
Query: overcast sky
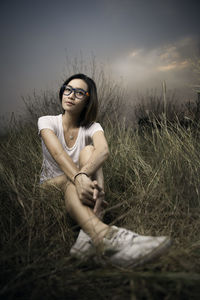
(143, 41)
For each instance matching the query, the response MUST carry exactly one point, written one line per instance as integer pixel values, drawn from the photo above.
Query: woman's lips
(69, 103)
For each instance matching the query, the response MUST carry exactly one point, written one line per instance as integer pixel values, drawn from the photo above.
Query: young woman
(74, 149)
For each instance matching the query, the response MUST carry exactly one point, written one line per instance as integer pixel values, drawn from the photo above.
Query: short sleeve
(48, 122)
(93, 128)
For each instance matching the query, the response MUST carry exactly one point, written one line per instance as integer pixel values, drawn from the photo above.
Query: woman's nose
(72, 95)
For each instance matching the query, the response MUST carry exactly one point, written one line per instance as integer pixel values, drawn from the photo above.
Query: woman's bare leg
(90, 223)
(58, 182)
(84, 215)
(98, 176)
(83, 159)
(81, 213)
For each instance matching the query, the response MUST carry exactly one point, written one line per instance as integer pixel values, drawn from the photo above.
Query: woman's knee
(85, 155)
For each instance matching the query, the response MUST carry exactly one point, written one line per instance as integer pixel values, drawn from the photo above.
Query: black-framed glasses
(78, 93)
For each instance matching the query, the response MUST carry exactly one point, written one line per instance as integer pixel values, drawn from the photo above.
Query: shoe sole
(78, 253)
(157, 252)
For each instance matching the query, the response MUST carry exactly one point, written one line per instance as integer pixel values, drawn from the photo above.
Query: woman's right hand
(85, 188)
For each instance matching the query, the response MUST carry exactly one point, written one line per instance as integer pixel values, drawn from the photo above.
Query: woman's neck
(70, 121)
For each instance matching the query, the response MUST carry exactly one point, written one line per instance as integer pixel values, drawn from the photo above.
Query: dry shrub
(152, 185)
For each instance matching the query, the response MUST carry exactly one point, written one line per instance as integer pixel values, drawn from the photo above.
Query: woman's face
(75, 100)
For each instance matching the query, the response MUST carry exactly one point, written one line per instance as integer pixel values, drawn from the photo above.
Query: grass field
(152, 184)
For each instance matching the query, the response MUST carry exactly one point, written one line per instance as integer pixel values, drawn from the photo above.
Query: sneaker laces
(118, 237)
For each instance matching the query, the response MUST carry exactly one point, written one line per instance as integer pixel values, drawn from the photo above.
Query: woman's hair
(89, 113)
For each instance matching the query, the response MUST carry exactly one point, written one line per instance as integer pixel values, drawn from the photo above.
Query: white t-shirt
(50, 168)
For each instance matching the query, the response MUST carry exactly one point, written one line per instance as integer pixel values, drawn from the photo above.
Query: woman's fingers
(97, 207)
(95, 194)
(84, 187)
(88, 203)
(89, 192)
(84, 196)
(96, 186)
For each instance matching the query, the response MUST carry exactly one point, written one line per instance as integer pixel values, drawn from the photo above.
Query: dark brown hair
(89, 113)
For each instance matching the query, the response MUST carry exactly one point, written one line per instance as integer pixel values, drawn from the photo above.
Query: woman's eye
(67, 90)
(79, 93)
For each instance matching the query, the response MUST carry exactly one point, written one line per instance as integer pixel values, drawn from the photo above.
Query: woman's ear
(61, 91)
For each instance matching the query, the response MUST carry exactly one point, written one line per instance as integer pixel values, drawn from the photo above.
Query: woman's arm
(99, 155)
(58, 153)
(84, 184)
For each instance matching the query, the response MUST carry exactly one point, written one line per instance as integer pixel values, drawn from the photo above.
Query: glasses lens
(79, 94)
(67, 91)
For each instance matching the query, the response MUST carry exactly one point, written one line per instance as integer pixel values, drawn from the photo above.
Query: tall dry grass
(152, 185)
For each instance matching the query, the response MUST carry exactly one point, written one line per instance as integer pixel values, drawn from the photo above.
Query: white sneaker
(83, 247)
(125, 248)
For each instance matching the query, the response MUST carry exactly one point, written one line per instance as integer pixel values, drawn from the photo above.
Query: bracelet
(80, 174)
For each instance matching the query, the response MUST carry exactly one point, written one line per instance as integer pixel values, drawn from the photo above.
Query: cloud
(142, 67)
(174, 65)
(134, 53)
(174, 57)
